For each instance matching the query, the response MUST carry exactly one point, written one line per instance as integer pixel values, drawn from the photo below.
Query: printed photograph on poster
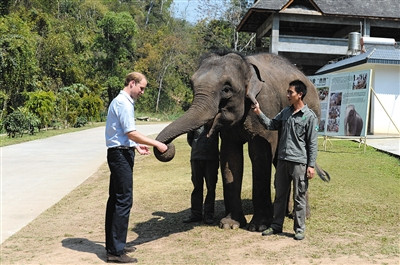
(335, 104)
(360, 81)
(353, 123)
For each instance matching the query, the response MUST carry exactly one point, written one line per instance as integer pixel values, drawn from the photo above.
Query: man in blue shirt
(122, 139)
(297, 153)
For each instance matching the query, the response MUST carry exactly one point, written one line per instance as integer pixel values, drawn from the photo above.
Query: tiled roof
(359, 8)
(374, 55)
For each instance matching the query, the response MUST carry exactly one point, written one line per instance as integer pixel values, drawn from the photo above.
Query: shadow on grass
(162, 225)
(168, 223)
(85, 245)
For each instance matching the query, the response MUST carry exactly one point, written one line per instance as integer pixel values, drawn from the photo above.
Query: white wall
(386, 84)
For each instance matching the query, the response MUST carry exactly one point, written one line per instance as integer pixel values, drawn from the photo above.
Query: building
(384, 61)
(311, 33)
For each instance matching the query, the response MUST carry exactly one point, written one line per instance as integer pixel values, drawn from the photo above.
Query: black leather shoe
(121, 259)
(129, 249)
(192, 219)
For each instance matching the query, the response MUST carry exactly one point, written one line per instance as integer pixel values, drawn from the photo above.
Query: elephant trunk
(197, 115)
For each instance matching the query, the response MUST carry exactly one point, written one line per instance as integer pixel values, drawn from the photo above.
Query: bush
(32, 122)
(15, 123)
(19, 122)
(80, 122)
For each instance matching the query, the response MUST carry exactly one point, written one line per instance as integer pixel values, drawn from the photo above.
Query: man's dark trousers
(119, 204)
(204, 170)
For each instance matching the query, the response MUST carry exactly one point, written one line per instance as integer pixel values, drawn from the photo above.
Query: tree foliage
(42, 104)
(71, 56)
(18, 63)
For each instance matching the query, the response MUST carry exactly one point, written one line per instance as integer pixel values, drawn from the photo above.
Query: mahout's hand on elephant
(256, 108)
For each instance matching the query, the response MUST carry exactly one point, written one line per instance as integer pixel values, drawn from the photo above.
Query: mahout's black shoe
(120, 259)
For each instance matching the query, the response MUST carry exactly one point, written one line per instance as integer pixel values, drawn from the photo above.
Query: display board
(344, 100)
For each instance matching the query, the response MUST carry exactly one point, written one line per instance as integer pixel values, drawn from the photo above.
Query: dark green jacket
(298, 134)
(203, 148)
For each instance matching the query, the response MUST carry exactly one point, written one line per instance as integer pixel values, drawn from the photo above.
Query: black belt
(122, 148)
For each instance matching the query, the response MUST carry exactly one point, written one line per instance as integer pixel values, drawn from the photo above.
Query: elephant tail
(322, 173)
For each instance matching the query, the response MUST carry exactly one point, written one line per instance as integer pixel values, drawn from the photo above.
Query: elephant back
(277, 72)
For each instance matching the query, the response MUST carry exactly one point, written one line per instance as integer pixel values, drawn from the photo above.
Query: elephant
(225, 86)
(353, 123)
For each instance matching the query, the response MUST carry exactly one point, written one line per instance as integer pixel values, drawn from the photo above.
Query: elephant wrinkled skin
(225, 86)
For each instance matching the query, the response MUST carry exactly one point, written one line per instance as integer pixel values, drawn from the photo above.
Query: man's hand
(310, 172)
(143, 149)
(162, 147)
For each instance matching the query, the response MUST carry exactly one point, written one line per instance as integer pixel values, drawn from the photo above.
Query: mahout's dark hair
(300, 87)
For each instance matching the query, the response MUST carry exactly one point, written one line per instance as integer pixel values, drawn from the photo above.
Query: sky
(188, 9)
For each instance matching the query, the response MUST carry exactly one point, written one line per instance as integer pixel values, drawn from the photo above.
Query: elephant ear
(255, 83)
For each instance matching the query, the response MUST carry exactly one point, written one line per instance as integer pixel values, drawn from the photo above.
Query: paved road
(37, 174)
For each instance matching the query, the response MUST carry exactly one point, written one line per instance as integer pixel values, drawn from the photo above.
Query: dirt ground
(72, 232)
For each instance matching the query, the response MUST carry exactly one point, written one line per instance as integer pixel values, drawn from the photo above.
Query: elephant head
(220, 86)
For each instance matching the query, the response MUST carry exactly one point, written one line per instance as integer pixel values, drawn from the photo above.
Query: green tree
(57, 58)
(42, 104)
(53, 46)
(92, 105)
(18, 63)
(168, 58)
(219, 26)
(115, 46)
(5, 7)
(72, 101)
(113, 85)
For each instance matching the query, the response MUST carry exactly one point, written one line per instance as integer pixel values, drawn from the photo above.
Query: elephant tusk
(215, 126)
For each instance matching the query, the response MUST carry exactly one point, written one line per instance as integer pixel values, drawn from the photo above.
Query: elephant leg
(261, 158)
(231, 156)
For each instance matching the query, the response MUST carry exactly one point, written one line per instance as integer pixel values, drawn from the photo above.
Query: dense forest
(63, 61)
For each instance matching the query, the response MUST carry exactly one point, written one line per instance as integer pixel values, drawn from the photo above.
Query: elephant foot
(259, 225)
(257, 228)
(228, 223)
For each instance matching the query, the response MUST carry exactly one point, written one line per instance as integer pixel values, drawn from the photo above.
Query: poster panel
(344, 102)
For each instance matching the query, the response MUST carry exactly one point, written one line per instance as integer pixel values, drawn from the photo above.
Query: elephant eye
(226, 89)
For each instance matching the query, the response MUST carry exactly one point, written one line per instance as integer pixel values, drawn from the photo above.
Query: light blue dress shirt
(120, 121)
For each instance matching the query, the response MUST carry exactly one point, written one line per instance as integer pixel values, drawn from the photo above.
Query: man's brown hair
(135, 76)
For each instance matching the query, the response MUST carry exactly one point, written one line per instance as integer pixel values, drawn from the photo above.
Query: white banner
(344, 102)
